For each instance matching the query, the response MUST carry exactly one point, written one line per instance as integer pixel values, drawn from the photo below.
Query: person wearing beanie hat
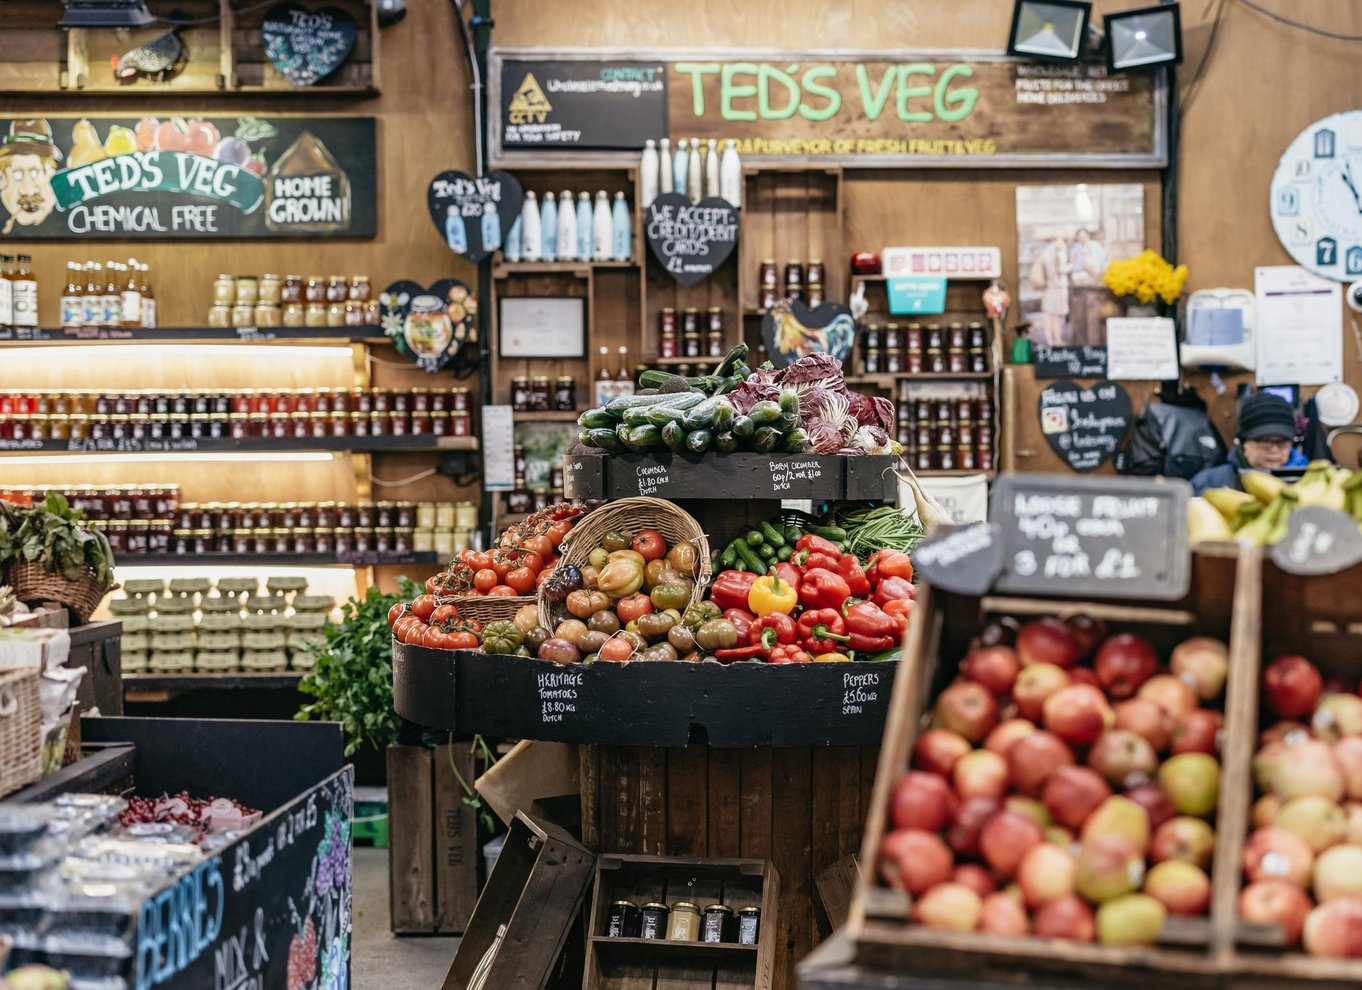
(1264, 441)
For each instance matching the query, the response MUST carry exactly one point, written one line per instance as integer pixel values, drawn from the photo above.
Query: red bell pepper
(740, 653)
(817, 544)
(850, 569)
(823, 589)
(775, 629)
(821, 629)
(730, 589)
(742, 621)
(871, 630)
(889, 563)
(899, 609)
(789, 654)
(893, 588)
(788, 573)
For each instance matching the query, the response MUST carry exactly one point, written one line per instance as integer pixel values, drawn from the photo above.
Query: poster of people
(1066, 235)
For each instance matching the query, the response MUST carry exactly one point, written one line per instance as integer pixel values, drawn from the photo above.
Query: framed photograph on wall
(541, 327)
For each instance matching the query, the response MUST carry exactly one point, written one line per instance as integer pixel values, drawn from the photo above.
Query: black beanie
(1266, 415)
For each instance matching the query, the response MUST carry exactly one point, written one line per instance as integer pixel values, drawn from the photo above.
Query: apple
(1183, 888)
(1157, 804)
(922, 801)
(1108, 866)
(1348, 756)
(1071, 793)
(1192, 780)
(1286, 730)
(1265, 810)
(1202, 662)
(1046, 873)
(1033, 758)
(1143, 717)
(1275, 854)
(1276, 902)
(1335, 929)
(1004, 734)
(975, 877)
(968, 822)
(1079, 713)
(949, 906)
(995, 667)
(981, 773)
(1292, 686)
(1003, 914)
(913, 860)
(1048, 640)
(1032, 808)
(1087, 631)
(1200, 732)
(1307, 767)
(968, 709)
(1173, 695)
(1034, 684)
(1123, 757)
(1123, 663)
(1005, 839)
(1001, 632)
(1190, 840)
(938, 749)
(1336, 716)
(1068, 918)
(1131, 919)
(1060, 836)
(1319, 821)
(1118, 816)
(1354, 810)
(1338, 873)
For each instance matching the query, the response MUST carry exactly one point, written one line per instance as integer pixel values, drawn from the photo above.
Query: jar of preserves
(717, 923)
(983, 411)
(383, 539)
(964, 458)
(268, 315)
(271, 289)
(653, 920)
(337, 289)
(541, 397)
(342, 541)
(978, 361)
(684, 923)
(224, 290)
(565, 393)
(247, 290)
(359, 288)
(242, 540)
(520, 393)
(314, 289)
(925, 461)
(335, 314)
(622, 920)
(423, 541)
(936, 362)
(373, 313)
(425, 515)
(458, 400)
(957, 362)
(354, 314)
(319, 425)
(690, 344)
(359, 424)
(666, 332)
(814, 274)
(814, 297)
(749, 925)
(291, 291)
(322, 540)
(767, 284)
(893, 361)
(398, 424)
(439, 423)
(220, 316)
(465, 516)
(715, 344)
(243, 315)
(794, 280)
(315, 314)
(362, 540)
(945, 457)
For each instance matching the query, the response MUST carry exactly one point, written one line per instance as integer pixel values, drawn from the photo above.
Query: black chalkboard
(307, 45)
(1071, 362)
(729, 476)
(1085, 426)
(1117, 538)
(1319, 541)
(962, 559)
(457, 204)
(691, 239)
(585, 105)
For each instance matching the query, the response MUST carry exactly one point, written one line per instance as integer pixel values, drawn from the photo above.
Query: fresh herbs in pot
(53, 534)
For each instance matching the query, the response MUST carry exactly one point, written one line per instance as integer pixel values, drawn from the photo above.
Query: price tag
(559, 692)
(498, 448)
(1071, 362)
(860, 692)
(1319, 541)
(963, 559)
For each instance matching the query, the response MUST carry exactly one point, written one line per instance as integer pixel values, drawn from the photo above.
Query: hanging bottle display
(647, 173)
(567, 227)
(548, 227)
(531, 247)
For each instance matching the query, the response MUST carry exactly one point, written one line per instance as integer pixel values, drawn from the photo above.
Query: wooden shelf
(217, 445)
(226, 680)
(946, 276)
(547, 415)
(128, 561)
(657, 949)
(888, 381)
(682, 360)
(580, 268)
(197, 335)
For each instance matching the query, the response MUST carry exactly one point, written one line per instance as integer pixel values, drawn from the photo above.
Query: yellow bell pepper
(770, 593)
(832, 658)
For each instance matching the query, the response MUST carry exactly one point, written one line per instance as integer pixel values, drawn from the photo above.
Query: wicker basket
(488, 608)
(32, 582)
(21, 718)
(629, 515)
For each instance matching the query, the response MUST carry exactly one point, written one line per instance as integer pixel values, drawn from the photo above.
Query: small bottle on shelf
(602, 228)
(605, 382)
(624, 379)
(548, 227)
(730, 174)
(148, 298)
(131, 298)
(92, 301)
(72, 301)
(6, 293)
(111, 309)
(680, 167)
(25, 292)
(491, 227)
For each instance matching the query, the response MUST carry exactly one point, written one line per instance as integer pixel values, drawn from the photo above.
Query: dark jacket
(1175, 441)
(1227, 475)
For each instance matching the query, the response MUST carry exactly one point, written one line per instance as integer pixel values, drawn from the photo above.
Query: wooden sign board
(729, 476)
(946, 109)
(691, 239)
(1085, 426)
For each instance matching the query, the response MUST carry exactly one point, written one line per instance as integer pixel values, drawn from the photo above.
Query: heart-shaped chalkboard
(791, 330)
(429, 325)
(458, 208)
(691, 239)
(1085, 426)
(307, 45)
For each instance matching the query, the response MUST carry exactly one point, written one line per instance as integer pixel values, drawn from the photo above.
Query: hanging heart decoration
(429, 325)
(458, 207)
(306, 46)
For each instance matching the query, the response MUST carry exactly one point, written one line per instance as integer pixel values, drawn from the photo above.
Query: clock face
(1317, 197)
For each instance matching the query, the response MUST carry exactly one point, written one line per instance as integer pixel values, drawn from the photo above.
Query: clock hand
(1348, 179)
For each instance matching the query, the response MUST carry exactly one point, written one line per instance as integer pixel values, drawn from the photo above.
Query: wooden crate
(1223, 602)
(646, 964)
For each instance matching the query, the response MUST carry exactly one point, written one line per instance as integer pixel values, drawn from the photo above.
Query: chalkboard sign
(612, 104)
(156, 177)
(1085, 426)
(305, 45)
(458, 205)
(1319, 541)
(729, 476)
(1071, 362)
(1119, 538)
(963, 559)
(691, 239)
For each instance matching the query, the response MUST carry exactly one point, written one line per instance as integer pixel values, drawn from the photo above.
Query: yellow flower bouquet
(1146, 276)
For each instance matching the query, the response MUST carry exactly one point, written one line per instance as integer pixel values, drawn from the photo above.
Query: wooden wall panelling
(661, 290)
(614, 323)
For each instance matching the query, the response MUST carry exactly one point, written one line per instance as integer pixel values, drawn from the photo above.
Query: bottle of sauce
(72, 303)
(130, 309)
(6, 293)
(112, 308)
(25, 293)
(93, 300)
(148, 298)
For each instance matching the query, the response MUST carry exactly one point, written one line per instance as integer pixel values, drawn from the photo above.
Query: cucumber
(606, 440)
(732, 359)
(750, 558)
(765, 439)
(728, 558)
(743, 427)
(766, 551)
(666, 412)
(765, 413)
(584, 438)
(594, 419)
(754, 538)
(725, 443)
(792, 534)
(616, 407)
(789, 408)
(698, 441)
(622, 435)
(795, 441)
(674, 436)
(773, 536)
(784, 554)
(706, 415)
(643, 438)
(834, 533)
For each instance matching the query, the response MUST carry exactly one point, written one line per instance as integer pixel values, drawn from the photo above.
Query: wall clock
(1317, 197)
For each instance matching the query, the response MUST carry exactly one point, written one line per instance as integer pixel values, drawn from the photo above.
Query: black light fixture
(106, 14)
(1143, 39)
(1049, 30)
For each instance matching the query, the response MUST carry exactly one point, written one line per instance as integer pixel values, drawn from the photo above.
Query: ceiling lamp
(1050, 30)
(1144, 39)
(106, 14)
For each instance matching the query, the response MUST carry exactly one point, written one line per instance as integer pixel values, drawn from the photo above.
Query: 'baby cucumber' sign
(167, 171)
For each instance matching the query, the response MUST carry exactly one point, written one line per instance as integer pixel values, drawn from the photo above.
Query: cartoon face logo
(28, 157)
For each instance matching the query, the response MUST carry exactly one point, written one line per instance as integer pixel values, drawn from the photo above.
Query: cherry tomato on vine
(502, 591)
(433, 583)
(435, 639)
(521, 579)
(502, 565)
(422, 606)
(533, 560)
(442, 614)
(462, 640)
(478, 561)
(541, 545)
(559, 531)
(395, 613)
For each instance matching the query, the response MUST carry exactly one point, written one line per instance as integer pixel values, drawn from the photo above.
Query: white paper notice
(1300, 327)
(1141, 349)
(498, 448)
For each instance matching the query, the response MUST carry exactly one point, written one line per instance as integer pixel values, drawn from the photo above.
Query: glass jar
(268, 315)
(541, 395)
(717, 924)
(243, 314)
(622, 920)
(520, 393)
(653, 920)
(293, 314)
(359, 289)
(359, 424)
(315, 314)
(378, 424)
(220, 316)
(247, 290)
(666, 332)
(335, 314)
(292, 289)
(354, 314)
(271, 289)
(373, 313)
(314, 289)
(749, 925)
(684, 922)
(224, 290)
(380, 399)
(565, 393)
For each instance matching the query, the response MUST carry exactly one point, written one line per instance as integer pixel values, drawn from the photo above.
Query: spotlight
(1143, 39)
(1052, 30)
(106, 14)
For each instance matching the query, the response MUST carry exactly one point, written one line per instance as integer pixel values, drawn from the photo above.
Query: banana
(1263, 486)
(1288, 506)
(1259, 531)
(1352, 495)
(1228, 501)
(1205, 524)
(1246, 513)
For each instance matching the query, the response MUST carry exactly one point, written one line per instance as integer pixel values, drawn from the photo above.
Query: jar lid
(718, 907)
(624, 904)
(270, 276)
(685, 906)
(749, 911)
(294, 278)
(244, 278)
(656, 905)
(226, 276)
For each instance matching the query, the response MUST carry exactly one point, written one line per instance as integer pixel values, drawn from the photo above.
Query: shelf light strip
(81, 457)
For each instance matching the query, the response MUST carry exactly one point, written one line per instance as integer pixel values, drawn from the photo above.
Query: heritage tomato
(632, 606)
(616, 649)
(422, 606)
(485, 580)
(442, 614)
(650, 543)
(580, 604)
(521, 579)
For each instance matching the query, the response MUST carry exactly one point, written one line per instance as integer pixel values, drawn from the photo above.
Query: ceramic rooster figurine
(792, 337)
(158, 57)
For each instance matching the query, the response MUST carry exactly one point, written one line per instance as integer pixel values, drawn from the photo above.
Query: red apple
(921, 800)
(1292, 686)
(1085, 675)
(968, 822)
(1071, 793)
(1078, 714)
(1275, 854)
(1033, 758)
(1045, 874)
(1047, 640)
(1184, 889)
(968, 709)
(1034, 684)
(1006, 733)
(1335, 929)
(981, 773)
(1338, 873)
(1336, 716)
(913, 860)
(1087, 631)
(1265, 810)
(1068, 918)
(1188, 839)
(1200, 732)
(1276, 902)
(1348, 756)
(995, 667)
(1123, 663)
(1003, 914)
(1202, 662)
(1174, 696)
(1142, 716)
(1151, 797)
(1005, 839)
(938, 749)
(1123, 757)
(975, 877)
(949, 906)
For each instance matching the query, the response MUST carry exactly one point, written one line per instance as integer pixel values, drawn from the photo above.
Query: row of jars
(956, 349)
(104, 501)
(694, 336)
(538, 395)
(238, 426)
(274, 401)
(158, 536)
(802, 282)
(227, 516)
(947, 434)
(293, 301)
(683, 921)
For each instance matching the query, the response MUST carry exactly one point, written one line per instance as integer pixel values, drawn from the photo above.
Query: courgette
(643, 438)
(594, 419)
(765, 439)
(706, 415)
(698, 441)
(765, 413)
(606, 440)
(743, 427)
(725, 443)
(674, 436)
(773, 536)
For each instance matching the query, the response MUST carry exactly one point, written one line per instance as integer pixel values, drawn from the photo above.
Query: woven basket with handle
(21, 717)
(488, 608)
(33, 582)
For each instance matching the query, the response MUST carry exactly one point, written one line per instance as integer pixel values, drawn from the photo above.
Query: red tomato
(522, 580)
(616, 648)
(410, 629)
(462, 640)
(650, 543)
(502, 591)
(435, 639)
(541, 545)
(433, 583)
(544, 575)
(632, 606)
(423, 606)
(395, 613)
(485, 580)
(478, 560)
(442, 614)
(534, 561)
(502, 566)
(559, 531)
